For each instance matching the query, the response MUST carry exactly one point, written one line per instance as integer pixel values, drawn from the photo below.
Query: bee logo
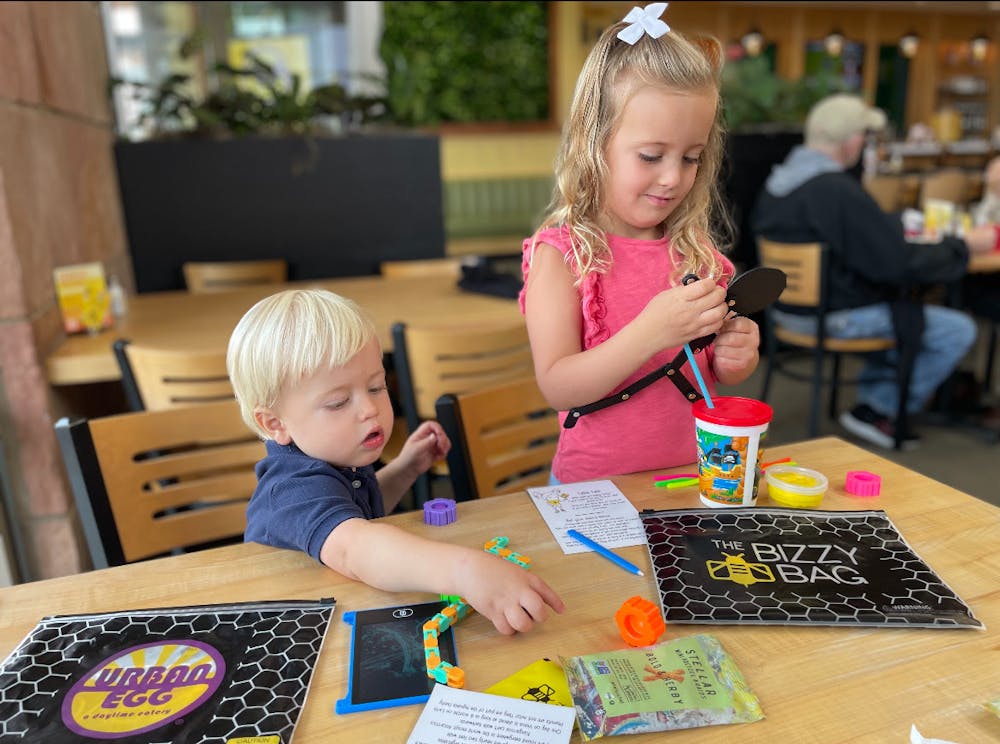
(543, 693)
(737, 570)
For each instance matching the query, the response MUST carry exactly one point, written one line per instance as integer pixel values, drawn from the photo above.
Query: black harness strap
(752, 291)
(671, 371)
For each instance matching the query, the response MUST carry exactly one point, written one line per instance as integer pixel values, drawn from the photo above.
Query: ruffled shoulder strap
(590, 289)
(557, 237)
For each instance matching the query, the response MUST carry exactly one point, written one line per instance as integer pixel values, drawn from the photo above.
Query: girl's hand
(510, 597)
(683, 313)
(736, 350)
(423, 448)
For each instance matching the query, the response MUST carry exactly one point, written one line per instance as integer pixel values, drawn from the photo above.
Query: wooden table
(984, 263)
(204, 321)
(815, 684)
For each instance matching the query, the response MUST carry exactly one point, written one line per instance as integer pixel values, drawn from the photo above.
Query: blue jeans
(948, 336)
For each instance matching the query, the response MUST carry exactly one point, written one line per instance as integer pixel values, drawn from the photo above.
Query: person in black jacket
(810, 197)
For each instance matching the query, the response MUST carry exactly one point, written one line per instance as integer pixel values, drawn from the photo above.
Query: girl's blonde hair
(287, 337)
(613, 71)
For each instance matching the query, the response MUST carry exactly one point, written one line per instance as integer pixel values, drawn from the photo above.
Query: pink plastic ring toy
(863, 483)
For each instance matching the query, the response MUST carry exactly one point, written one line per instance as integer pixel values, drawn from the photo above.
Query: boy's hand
(511, 597)
(736, 350)
(424, 447)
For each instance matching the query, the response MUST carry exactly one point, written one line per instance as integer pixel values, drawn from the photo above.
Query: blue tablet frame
(344, 705)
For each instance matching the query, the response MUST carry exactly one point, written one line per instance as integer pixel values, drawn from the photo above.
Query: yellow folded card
(542, 681)
(83, 297)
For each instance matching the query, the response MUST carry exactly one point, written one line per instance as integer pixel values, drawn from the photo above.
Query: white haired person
(872, 269)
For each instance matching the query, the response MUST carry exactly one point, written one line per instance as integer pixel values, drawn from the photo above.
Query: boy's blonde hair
(613, 72)
(287, 337)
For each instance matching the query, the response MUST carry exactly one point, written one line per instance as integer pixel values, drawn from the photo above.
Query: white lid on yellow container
(800, 488)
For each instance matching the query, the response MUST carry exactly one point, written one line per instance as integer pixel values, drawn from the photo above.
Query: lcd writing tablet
(387, 657)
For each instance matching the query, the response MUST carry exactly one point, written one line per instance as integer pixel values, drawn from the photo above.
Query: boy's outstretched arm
(392, 559)
(423, 448)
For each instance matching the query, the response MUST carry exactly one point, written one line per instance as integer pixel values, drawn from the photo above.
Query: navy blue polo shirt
(300, 500)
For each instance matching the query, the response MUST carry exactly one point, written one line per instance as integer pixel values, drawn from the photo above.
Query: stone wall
(59, 205)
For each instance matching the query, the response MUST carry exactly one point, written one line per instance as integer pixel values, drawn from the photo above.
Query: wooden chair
(155, 379)
(503, 438)
(151, 483)
(430, 361)
(805, 266)
(416, 268)
(217, 276)
(949, 184)
(886, 190)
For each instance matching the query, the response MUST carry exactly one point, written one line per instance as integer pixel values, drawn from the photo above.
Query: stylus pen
(601, 550)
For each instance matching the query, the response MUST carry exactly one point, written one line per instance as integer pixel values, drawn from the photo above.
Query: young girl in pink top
(631, 213)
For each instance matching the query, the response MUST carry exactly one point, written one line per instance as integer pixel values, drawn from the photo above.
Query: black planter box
(749, 159)
(334, 206)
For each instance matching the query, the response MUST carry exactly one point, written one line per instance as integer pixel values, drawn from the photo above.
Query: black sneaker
(864, 422)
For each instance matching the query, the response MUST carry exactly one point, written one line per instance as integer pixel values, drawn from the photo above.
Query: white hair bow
(644, 19)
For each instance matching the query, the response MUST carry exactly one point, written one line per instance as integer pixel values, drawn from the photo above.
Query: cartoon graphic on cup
(730, 438)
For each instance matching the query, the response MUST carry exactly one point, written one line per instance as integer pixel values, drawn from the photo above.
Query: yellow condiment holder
(797, 487)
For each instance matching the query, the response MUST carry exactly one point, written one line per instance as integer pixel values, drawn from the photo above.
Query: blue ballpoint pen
(601, 550)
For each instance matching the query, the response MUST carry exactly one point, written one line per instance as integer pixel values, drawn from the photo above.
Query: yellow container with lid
(800, 488)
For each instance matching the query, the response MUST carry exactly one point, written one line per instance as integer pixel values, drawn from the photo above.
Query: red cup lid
(733, 411)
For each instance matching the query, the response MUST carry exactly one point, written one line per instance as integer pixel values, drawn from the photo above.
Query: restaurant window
(321, 42)
(467, 63)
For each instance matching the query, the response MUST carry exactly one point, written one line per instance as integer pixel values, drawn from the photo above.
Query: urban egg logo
(142, 688)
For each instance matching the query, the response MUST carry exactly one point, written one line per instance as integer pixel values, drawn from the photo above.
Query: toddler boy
(307, 370)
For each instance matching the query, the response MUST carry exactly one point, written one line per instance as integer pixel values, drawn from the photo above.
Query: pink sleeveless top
(655, 428)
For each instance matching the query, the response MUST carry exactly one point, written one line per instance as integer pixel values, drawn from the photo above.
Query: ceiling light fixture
(980, 46)
(753, 42)
(909, 44)
(834, 43)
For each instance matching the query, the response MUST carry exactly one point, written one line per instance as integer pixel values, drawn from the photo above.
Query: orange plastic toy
(639, 622)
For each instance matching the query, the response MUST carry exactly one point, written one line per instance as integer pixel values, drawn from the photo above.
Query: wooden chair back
(211, 276)
(423, 267)
(503, 438)
(886, 190)
(430, 361)
(150, 483)
(155, 379)
(802, 265)
(949, 184)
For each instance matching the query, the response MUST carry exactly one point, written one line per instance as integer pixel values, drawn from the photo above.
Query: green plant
(752, 94)
(273, 106)
(466, 62)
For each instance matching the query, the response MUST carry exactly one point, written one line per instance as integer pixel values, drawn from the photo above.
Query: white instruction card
(596, 509)
(456, 716)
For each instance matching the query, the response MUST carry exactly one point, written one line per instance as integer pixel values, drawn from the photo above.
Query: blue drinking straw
(697, 376)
